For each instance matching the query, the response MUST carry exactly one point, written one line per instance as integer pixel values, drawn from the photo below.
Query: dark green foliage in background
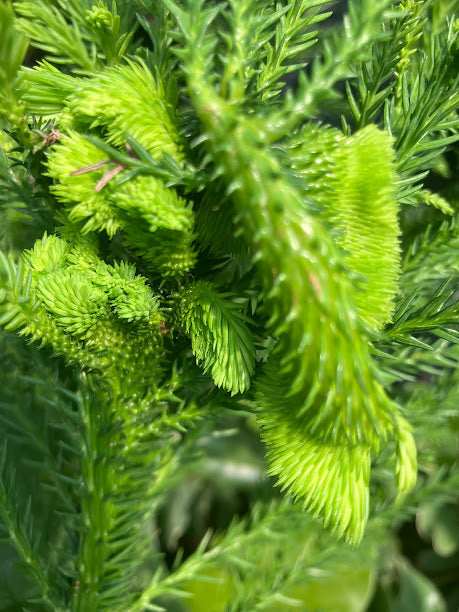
(229, 252)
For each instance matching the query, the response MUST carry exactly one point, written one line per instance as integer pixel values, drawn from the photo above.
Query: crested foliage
(188, 240)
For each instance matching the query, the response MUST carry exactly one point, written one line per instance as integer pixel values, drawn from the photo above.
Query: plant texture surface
(228, 261)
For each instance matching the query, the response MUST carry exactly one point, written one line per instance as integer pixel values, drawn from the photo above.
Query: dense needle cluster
(204, 237)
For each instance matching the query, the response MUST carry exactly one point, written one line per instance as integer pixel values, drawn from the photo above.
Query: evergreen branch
(105, 27)
(76, 33)
(375, 82)
(408, 362)
(97, 507)
(124, 442)
(128, 100)
(115, 99)
(363, 27)
(258, 556)
(40, 427)
(191, 32)
(219, 335)
(352, 180)
(425, 121)
(88, 190)
(23, 425)
(291, 40)
(300, 219)
(273, 580)
(249, 32)
(155, 221)
(157, 24)
(437, 201)
(24, 194)
(99, 451)
(433, 409)
(257, 55)
(259, 551)
(408, 346)
(428, 259)
(16, 303)
(20, 531)
(13, 47)
(21, 312)
(439, 316)
(49, 30)
(45, 89)
(291, 245)
(266, 525)
(75, 313)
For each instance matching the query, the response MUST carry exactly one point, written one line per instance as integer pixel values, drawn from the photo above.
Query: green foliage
(85, 35)
(219, 335)
(302, 274)
(13, 47)
(199, 271)
(360, 202)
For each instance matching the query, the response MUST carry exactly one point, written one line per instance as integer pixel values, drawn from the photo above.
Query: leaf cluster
(209, 256)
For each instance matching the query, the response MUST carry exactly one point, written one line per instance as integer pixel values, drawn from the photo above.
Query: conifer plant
(228, 271)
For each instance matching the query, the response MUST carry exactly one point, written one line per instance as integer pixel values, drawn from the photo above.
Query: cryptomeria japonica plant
(228, 267)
